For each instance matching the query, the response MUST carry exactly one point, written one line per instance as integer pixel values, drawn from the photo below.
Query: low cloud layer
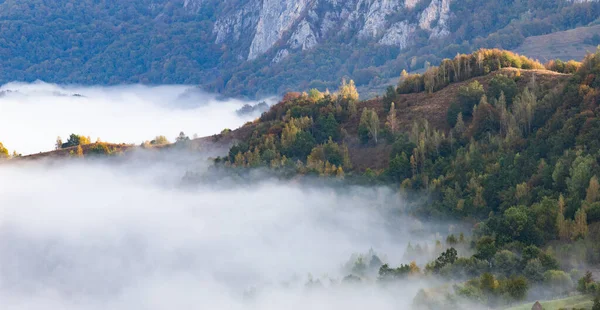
(33, 115)
(128, 235)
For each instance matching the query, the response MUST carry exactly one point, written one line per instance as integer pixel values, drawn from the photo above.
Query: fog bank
(33, 115)
(126, 235)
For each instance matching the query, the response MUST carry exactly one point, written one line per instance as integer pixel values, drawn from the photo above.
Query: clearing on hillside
(563, 45)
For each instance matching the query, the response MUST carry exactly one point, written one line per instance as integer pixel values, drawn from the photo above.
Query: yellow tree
(3, 151)
(592, 191)
(561, 224)
(79, 152)
(348, 91)
(391, 122)
(580, 228)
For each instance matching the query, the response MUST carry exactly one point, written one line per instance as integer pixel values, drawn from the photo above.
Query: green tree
(75, 140)
(469, 96)
(399, 168)
(516, 287)
(452, 114)
(448, 257)
(485, 247)
(99, 149)
(581, 172)
(502, 84)
(534, 270)
(302, 145)
(327, 127)
(596, 305)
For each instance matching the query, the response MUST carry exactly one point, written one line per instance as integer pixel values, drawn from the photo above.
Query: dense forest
(165, 42)
(521, 160)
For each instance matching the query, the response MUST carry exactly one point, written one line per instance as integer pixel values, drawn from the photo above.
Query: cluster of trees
(5, 154)
(74, 140)
(522, 159)
(461, 68)
(302, 133)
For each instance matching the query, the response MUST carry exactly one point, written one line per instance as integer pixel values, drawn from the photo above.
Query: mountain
(253, 48)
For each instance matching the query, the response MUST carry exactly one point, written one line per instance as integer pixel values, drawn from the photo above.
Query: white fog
(33, 115)
(129, 235)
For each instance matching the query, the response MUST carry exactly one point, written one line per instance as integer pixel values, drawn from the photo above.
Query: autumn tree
(348, 91)
(160, 140)
(561, 224)
(79, 151)
(59, 143)
(315, 95)
(391, 122)
(3, 152)
(592, 193)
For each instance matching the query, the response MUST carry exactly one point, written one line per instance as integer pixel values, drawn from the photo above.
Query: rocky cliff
(283, 27)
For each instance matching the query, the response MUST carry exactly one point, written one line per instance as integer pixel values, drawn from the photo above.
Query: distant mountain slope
(254, 48)
(564, 45)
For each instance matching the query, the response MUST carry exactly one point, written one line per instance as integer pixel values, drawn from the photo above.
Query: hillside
(254, 48)
(415, 107)
(564, 45)
(491, 138)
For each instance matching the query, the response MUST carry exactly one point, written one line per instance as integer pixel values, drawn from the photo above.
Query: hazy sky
(33, 115)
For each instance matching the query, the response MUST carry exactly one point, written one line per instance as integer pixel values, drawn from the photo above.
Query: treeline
(461, 68)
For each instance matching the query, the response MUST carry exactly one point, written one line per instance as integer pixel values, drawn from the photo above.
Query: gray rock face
(260, 26)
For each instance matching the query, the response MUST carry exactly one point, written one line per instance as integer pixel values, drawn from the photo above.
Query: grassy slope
(579, 301)
(564, 45)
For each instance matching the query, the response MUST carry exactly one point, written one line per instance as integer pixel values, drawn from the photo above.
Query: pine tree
(460, 127)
